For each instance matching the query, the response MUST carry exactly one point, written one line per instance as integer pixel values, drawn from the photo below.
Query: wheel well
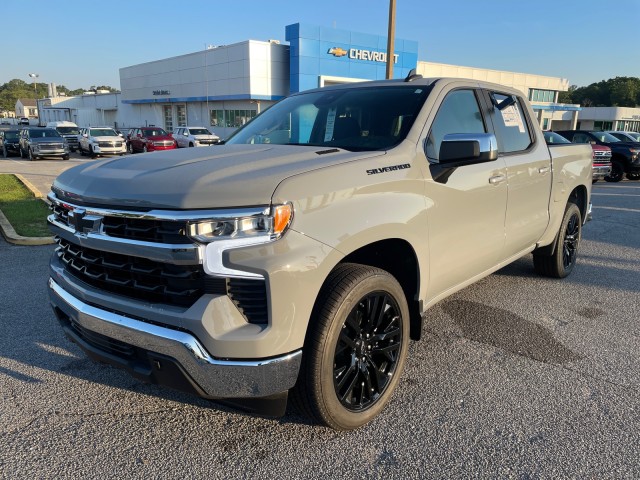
(397, 257)
(579, 197)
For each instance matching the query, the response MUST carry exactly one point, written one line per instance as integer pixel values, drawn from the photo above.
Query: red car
(601, 161)
(149, 139)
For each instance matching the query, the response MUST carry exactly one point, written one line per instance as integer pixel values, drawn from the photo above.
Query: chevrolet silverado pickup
(297, 260)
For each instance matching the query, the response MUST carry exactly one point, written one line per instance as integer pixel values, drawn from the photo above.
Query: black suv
(10, 142)
(625, 156)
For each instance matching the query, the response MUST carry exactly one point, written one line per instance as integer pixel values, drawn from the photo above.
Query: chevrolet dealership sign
(360, 54)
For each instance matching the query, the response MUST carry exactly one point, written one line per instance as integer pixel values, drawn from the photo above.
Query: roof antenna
(412, 75)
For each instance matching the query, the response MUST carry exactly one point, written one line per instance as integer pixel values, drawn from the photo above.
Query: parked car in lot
(10, 142)
(96, 141)
(626, 136)
(23, 121)
(68, 130)
(601, 155)
(42, 142)
(149, 139)
(194, 137)
(625, 156)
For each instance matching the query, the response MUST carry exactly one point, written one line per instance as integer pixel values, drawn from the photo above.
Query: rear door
(528, 171)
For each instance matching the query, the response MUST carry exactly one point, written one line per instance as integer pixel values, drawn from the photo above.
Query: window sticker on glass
(511, 118)
(331, 121)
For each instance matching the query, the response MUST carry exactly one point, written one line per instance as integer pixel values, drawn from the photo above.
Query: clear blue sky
(79, 44)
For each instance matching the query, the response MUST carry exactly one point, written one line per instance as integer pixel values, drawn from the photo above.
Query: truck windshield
(605, 137)
(199, 131)
(102, 132)
(68, 130)
(356, 119)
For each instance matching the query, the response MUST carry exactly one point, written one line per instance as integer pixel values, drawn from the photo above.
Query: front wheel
(31, 155)
(560, 263)
(65, 157)
(130, 148)
(355, 349)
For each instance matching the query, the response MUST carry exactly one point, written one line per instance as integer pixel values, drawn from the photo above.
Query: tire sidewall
(341, 417)
(572, 209)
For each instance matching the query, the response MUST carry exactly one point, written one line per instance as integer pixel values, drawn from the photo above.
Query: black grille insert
(250, 296)
(133, 276)
(158, 231)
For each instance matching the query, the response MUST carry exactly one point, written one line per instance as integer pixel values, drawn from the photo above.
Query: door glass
(168, 118)
(511, 125)
(459, 113)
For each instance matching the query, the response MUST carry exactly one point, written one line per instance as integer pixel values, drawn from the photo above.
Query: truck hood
(195, 178)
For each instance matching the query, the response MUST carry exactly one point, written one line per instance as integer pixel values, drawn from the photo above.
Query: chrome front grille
(110, 144)
(47, 147)
(602, 154)
(163, 143)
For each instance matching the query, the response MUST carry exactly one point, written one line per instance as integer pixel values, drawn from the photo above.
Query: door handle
(496, 179)
(544, 170)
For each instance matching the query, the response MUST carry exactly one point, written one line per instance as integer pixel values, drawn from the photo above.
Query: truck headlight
(263, 228)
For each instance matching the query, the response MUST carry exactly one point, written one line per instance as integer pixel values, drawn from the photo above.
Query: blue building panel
(363, 70)
(308, 48)
(365, 39)
(309, 65)
(317, 51)
(334, 35)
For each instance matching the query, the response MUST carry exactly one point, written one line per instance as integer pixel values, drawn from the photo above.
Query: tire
(5, 154)
(633, 176)
(190, 144)
(594, 181)
(81, 150)
(560, 263)
(130, 148)
(31, 155)
(92, 154)
(617, 172)
(22, 154)
(355, 348)
(65, 157)
(144, 149)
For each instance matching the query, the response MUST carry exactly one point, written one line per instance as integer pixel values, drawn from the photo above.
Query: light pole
(34, 76)
(390, 38)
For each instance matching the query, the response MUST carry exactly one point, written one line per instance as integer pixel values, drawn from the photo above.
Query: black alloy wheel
(617, 171)
(355, 348)
(570, 243)
(367, 352)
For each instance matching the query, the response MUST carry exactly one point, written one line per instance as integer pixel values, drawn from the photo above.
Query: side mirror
(458, 149)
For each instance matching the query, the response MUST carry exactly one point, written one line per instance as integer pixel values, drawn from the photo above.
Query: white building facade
(223, 87)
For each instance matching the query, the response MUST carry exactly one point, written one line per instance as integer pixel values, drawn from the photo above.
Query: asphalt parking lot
(517, 376)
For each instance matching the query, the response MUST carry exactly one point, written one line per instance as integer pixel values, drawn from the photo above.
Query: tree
(567, 97)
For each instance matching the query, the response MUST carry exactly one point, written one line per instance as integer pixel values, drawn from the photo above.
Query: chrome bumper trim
(217, 378)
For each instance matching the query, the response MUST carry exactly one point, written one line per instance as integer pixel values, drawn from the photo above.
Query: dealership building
(224, 86)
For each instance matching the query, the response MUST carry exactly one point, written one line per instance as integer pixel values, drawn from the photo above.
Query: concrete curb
(7, 229)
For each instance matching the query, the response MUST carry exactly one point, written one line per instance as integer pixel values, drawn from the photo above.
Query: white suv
(96, 141)
(194, 137)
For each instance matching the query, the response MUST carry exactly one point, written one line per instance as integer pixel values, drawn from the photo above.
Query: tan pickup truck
(304, 254)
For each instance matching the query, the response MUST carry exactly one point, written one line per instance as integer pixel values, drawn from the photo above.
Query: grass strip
(26, 213)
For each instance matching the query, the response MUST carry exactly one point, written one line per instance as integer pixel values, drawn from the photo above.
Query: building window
(168, 118)
(181, 114)
(536, 95)
(231, 118)
(545, 123)
(601, 126)
(32, 112)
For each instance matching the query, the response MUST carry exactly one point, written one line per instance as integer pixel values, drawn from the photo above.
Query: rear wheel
(617, 171)
(560, 263)
(355, 349)
(633, 176)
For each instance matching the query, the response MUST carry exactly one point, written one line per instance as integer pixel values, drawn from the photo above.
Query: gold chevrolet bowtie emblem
(338, 52)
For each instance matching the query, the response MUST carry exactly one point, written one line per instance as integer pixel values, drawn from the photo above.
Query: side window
(511, 125)
(581, 138)
(459, 113)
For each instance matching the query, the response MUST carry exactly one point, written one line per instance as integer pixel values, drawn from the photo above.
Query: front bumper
(601, 171)
(110, 150)
(168, 356)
